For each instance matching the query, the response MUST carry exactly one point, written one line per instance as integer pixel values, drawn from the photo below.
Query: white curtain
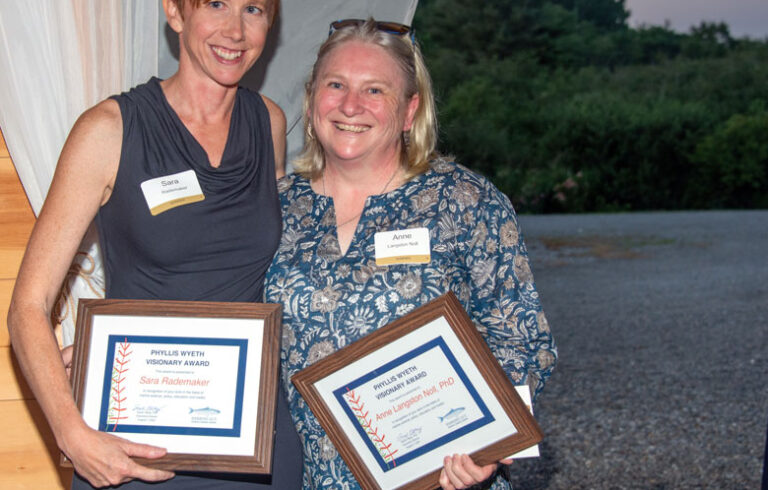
(41, 94)
(59, 57)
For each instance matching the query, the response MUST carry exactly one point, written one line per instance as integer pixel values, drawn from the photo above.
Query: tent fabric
(59, 58)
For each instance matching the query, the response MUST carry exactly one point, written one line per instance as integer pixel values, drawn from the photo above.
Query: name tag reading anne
(170, 191)
(402, 247)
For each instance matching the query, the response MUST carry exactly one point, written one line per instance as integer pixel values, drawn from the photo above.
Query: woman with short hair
(211, 239)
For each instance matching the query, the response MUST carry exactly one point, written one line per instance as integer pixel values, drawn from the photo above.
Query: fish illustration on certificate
(396, 402)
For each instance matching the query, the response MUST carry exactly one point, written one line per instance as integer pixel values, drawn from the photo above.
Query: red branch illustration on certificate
(117, 397)
(358, 408)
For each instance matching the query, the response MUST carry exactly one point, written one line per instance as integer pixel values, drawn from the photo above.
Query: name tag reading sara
(402, 247)
(170, 191)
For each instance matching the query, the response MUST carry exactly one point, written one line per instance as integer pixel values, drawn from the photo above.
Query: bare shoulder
(94, 145)
(278, 125)
(90, 156)
(102, 122)
(276, 115)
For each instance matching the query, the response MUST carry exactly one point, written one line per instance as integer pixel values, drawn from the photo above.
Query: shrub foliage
(568, 109)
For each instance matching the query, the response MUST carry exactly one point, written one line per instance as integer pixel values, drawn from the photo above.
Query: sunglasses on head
(394, 28)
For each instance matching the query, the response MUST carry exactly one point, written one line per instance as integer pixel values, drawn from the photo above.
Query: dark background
(569, 109)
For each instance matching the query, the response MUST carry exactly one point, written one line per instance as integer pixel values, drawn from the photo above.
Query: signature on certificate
(147, 409)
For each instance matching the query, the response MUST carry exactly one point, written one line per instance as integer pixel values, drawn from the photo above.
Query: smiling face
(359, 109)
(220, 40)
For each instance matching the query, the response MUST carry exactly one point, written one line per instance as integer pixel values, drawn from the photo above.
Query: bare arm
(82, 183)
(277, 121)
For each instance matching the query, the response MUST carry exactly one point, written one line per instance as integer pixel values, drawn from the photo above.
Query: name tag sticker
(170, 191)
(402, 247)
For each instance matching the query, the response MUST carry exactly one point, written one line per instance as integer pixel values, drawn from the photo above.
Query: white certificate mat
(184, 393)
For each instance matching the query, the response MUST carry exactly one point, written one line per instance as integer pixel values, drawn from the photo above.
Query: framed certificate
(396, 402)
(197, 378)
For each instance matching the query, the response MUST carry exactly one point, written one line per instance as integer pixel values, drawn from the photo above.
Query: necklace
(383, 189)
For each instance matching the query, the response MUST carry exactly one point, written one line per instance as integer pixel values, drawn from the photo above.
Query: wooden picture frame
(198, 378)
(377, 396)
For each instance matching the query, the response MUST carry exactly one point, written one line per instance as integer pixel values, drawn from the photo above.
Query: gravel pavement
(661, 321)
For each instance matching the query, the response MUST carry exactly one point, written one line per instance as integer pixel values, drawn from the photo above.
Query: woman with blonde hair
(369, 169)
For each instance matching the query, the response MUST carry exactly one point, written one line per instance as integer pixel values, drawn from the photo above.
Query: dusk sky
(744, 17)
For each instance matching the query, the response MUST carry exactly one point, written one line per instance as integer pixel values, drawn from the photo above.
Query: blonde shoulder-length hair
(418, 144)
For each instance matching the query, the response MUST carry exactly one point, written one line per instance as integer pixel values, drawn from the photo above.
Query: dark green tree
(567, 108)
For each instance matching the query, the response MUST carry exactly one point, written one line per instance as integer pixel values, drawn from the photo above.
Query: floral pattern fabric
(331, 300)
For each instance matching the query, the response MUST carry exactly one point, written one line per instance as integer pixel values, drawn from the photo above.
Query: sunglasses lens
(341, 24)
(393, 27)
(388, 27)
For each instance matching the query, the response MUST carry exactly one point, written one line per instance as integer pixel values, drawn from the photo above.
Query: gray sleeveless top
(217, 249)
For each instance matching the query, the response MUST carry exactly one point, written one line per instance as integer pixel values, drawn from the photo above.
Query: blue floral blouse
(331, 300)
